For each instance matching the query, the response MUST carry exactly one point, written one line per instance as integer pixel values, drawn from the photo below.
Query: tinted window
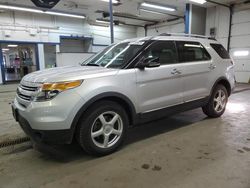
(221, 51)
(192, 51)
(164, 50)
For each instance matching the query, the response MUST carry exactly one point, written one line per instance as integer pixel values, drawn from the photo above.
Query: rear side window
(221, 51)
(192, 51)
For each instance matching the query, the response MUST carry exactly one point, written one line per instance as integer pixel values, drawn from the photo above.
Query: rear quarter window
(191, 51)
(220, 50)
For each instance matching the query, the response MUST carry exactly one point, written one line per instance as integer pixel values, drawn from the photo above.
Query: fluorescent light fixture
(151, 11)
(113, 1)
(24, 9)
(5, 49)
(65, 14)
(159, 7)
(8, 7)
(241, 53)
(12, 45)
(199, 1)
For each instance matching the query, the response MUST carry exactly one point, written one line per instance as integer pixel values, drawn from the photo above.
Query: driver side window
(164, 50)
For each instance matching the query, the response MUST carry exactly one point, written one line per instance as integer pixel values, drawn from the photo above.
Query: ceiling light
(5, 49)
(199, 1)
(113, 1)
(159, 7)
(151, 11)
(24, 9)
(65, 14)
(12, 45)
(8, 7)
(241, 53)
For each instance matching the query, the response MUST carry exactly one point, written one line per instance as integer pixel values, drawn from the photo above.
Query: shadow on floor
(68, 153)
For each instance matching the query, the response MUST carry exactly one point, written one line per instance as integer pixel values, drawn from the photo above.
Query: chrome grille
(28, 88)
(26, 91)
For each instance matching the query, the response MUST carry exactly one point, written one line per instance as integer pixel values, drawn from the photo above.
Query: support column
(111, 21)
(188, 18)
(41, 56)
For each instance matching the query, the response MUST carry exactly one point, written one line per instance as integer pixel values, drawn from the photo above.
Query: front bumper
(43, 136)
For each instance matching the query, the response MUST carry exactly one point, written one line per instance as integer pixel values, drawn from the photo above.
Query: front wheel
(103, 128)
(217, 102)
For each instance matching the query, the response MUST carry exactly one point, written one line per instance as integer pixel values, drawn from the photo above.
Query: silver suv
(129, 83)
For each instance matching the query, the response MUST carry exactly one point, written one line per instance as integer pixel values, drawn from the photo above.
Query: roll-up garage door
(240, 45)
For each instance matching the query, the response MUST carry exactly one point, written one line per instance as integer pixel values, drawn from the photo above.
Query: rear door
(160, 87)
(197, 69)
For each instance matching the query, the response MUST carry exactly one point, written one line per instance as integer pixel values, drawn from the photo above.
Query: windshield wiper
(91, 64)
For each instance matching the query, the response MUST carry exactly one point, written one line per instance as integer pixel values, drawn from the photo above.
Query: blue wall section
(187, 18)
(1, 64)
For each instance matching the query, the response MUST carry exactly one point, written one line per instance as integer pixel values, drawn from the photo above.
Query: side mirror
(149, 62)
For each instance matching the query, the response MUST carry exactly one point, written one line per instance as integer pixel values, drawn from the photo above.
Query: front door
(160, 87)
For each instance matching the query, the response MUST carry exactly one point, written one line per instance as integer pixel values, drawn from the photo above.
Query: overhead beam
(217, 3)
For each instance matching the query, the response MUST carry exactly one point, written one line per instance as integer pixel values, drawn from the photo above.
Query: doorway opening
(18, 60)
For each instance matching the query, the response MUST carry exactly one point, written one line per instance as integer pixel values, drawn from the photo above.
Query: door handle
(175, 72)
(212, 67)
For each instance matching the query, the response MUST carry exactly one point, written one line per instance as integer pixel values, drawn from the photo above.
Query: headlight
(49, 90)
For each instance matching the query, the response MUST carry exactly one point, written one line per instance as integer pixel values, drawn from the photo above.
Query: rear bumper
(43, 136)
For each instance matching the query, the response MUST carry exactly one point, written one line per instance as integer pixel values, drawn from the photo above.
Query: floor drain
(14, 142)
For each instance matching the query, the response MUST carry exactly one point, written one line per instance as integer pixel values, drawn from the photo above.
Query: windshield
(114, 56)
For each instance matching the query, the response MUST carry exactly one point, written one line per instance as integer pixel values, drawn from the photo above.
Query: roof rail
(187, 35)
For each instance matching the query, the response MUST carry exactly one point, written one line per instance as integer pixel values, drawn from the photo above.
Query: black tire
(91, 119)
(210, 108)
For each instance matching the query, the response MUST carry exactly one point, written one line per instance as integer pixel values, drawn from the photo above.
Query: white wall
(48, 28)
(28, 27)
(218, 17)
(64, 59)
(174, 27)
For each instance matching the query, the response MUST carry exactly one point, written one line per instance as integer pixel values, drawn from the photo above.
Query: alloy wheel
(107, 129)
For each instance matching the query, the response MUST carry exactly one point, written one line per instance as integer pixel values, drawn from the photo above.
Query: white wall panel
(218, 18)
(241, 16)
(23, 18)
(177, 27)
(71, 59)
(241, 41)
(41, 56)
(240, 29)
(242, 65)
(50, 28)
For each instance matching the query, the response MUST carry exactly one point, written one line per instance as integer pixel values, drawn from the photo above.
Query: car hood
(68, 73)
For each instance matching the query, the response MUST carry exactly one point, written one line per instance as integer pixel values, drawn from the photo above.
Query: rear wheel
(217, 102)
(102, 128)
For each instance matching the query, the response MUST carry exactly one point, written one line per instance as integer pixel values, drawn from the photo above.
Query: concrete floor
(185, 150)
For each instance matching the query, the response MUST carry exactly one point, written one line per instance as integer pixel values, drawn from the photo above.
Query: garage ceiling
(89, 8)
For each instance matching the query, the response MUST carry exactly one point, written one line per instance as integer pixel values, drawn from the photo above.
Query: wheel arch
(112, 96)
(223, 81)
